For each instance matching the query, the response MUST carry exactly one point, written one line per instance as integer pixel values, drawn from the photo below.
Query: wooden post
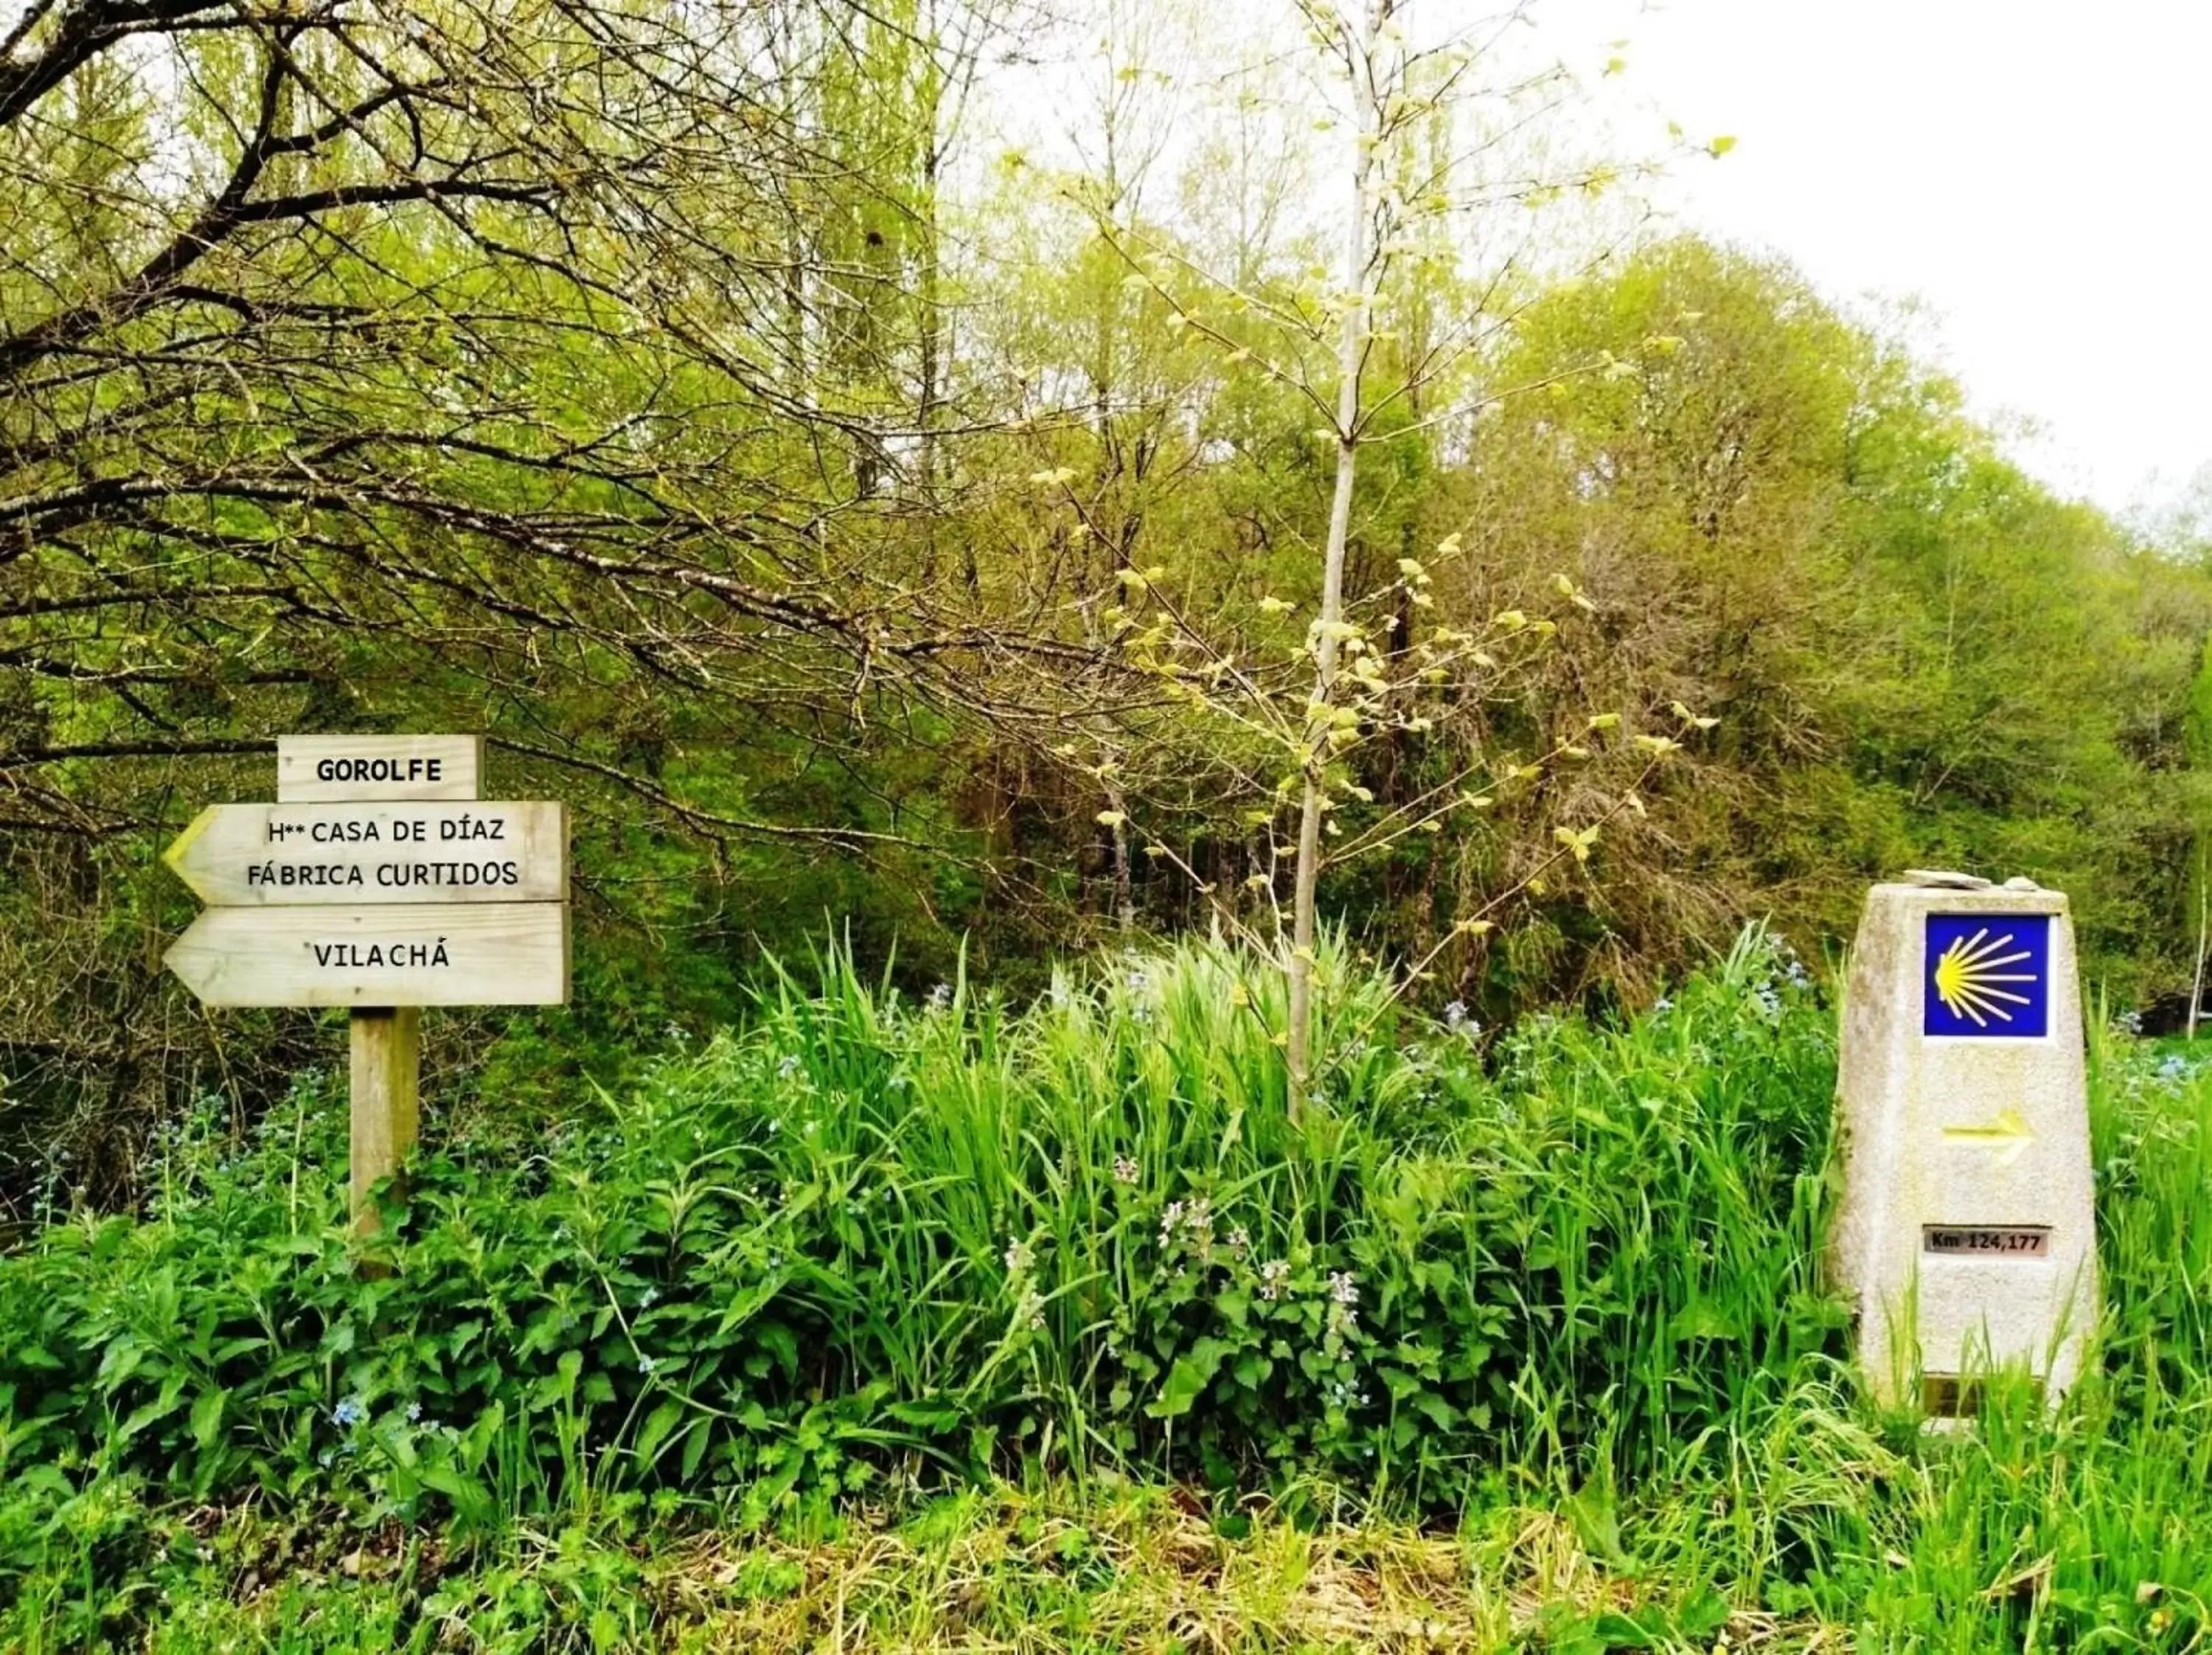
(386, 1071)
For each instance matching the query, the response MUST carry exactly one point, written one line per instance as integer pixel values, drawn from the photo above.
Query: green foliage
(1564, 1285)
(1083, 1234)
(1918, 654)
(845, 525)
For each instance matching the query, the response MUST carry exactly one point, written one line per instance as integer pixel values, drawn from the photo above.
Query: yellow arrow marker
(2007, 1135)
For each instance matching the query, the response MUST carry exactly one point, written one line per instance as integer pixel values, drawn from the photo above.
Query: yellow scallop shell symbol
(1970, 977)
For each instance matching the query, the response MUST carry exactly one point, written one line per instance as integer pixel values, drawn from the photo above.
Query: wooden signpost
(377, 881)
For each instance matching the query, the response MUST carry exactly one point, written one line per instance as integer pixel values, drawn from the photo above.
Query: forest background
(876, 463)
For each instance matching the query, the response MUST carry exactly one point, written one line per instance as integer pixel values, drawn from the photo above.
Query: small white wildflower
(1343, 1287)
(1125, 1169)
(1019, 1258)
(1275, 1275)
(788, 1065)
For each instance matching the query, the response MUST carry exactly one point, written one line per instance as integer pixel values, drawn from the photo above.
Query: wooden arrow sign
(513, 953)
(347, 854)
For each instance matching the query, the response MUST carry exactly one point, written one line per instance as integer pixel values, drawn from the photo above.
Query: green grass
(902, 1296)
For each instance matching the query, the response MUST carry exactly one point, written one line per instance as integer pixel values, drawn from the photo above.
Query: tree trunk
(1350, 352)
(2203, 911)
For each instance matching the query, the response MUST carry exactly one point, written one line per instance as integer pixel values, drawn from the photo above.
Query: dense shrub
(881, 1246)
(872, 1236)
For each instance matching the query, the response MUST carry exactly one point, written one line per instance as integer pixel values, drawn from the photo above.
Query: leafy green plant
(874, 1246)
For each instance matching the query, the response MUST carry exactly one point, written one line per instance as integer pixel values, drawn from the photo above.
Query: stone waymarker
(378, 882)
(1966, 1235)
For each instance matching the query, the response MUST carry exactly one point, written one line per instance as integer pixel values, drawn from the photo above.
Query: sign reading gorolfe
(322, 768)
(1965, 1234)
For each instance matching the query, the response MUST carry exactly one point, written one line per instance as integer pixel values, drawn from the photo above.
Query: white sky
(2033, 170)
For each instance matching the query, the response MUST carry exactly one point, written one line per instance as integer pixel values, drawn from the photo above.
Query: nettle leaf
(207, 1417)
(659, 1424)
(783, 1343)
(120, 1362)
(1705, 1320)
(1193, 1371)
(1441, 1414)
(146, 1413)
(696, 1440)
